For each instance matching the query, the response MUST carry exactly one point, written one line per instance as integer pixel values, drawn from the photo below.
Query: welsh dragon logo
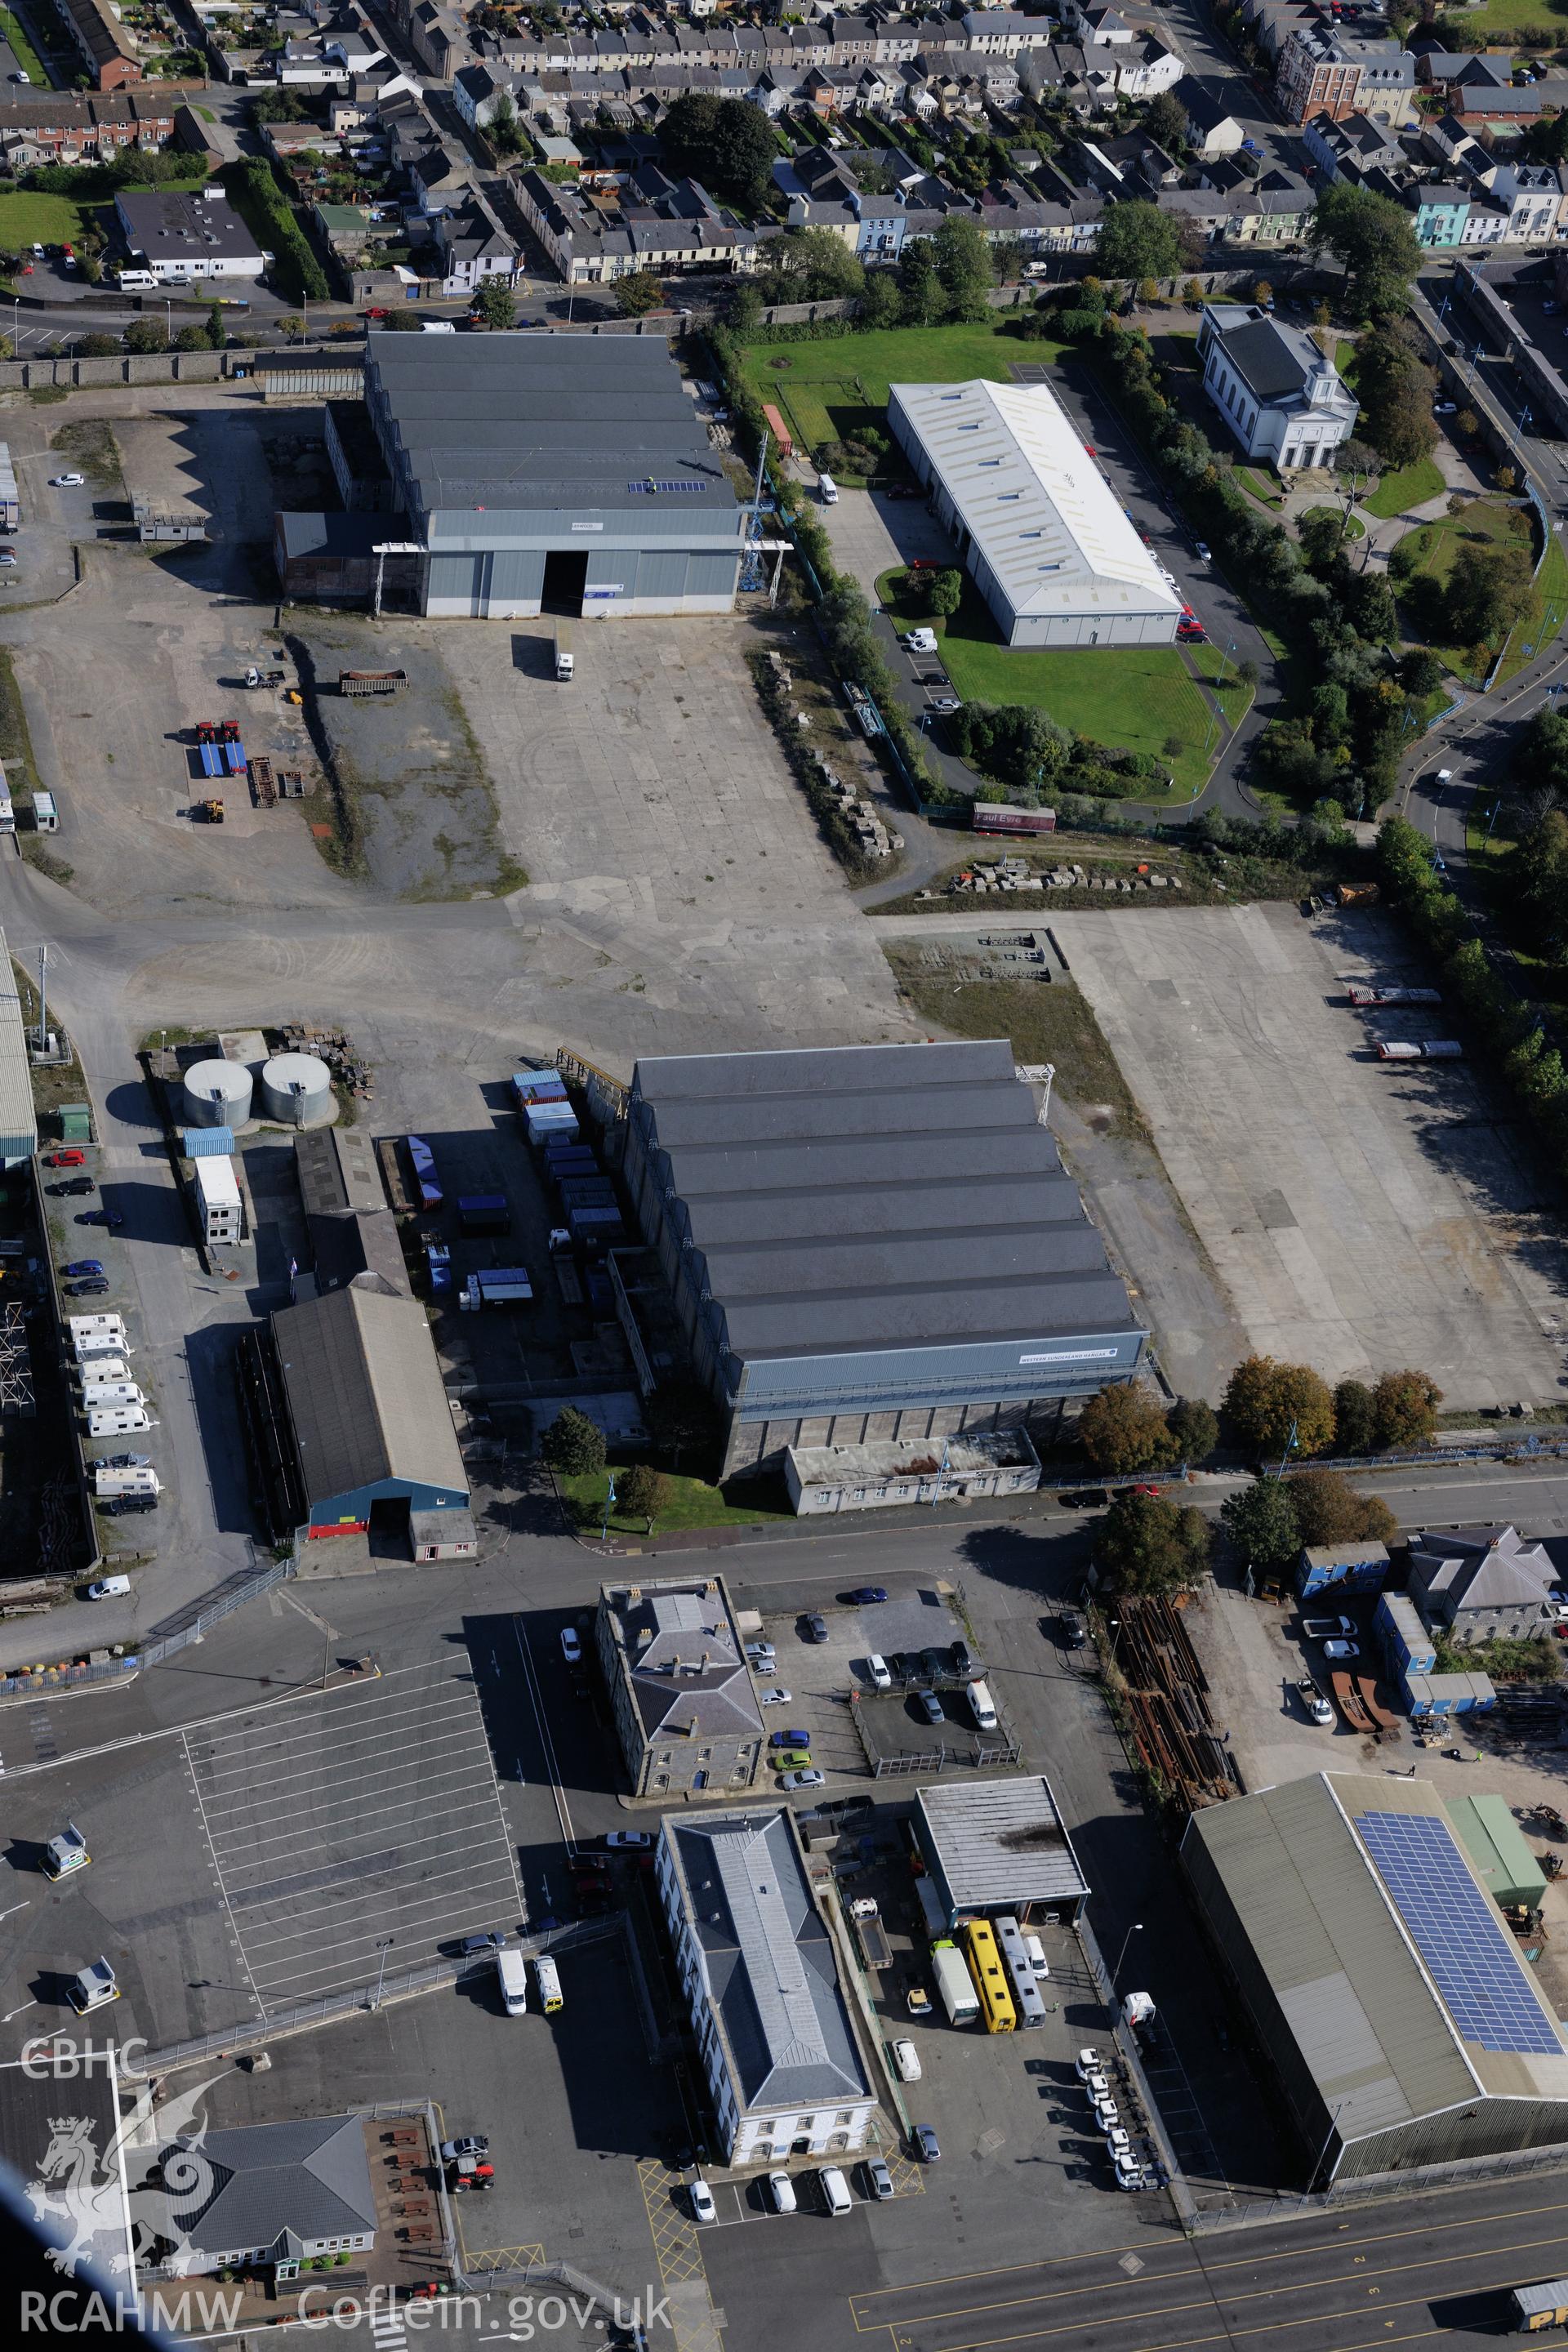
(77, 2198)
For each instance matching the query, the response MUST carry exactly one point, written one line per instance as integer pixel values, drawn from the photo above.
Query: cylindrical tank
(218, 1093)
(296, 1088)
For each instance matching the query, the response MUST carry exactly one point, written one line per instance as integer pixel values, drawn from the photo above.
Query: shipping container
(992, 817)
(500, 1285)
(779, 429)
(537, 1086)
(428, 1184)
(1350, 1568)
(483, 1212)
(550, 1118)
(1404, 1639)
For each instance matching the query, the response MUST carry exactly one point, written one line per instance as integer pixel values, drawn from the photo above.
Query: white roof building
(1037, 523)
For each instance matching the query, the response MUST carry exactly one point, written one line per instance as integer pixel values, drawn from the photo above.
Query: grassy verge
(1129, 697)
(1045, 1024)
(1549, 608)
(1258, 486)
(1412, 486)
(51, 1088)
(26, 57)
(692, 1503)
(1437, 545)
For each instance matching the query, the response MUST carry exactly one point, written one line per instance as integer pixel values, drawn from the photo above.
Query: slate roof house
(757, 1965)
(679, 1689)
(281, 2193)
(1282, 398)
(1481, 1583)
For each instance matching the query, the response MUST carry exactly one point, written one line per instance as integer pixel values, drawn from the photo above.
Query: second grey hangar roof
(543, 421)
(874, 1196)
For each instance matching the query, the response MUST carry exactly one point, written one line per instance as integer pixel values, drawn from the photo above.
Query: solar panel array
(648, 488)
(1465, 1946)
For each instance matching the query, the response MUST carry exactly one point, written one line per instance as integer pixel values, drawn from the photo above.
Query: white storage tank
(296, 1088)
(218, 1093)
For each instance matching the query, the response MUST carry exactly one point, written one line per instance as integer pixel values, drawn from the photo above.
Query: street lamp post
(385, 1946)
(1135, 1929)
(609, 1506)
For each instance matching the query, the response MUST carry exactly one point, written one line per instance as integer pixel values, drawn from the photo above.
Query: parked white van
(827, 490)
(984, 1708)
(109, 1587)
(836, 2192)
(512, 1970)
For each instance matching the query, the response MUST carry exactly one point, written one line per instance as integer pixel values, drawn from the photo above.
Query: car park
(628, 1840)
(95, 1287)
(944, 704)
(72, 1159)
(792, 1738)
(931, 1706)
(571, 1646)
(879, 2180)
(810, 1779)
(776, 1697)
(702, 2205)
(876, 1673)
(905, 2060)
(1341, 1648)
(923, 2142)
(962, 1658)
(791, 1759)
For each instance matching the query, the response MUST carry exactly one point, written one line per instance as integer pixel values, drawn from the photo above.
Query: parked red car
(65, 1159)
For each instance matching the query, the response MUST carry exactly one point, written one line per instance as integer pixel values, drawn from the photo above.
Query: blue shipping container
(1403, 1638)
(1346, 1568)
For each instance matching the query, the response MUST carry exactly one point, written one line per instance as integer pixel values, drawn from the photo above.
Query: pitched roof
(303, 2179)
(365, 1394)
(767, 1962)
(684, 1657)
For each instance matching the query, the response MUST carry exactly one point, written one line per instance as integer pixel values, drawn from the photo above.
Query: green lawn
(1437, 545)
(1412, 486)
(1258, 486)
(692, 1503)
(1546, 615)
(828, 391)
(1500, 20)
(28, 218)
(1129, 697)
(25, 54)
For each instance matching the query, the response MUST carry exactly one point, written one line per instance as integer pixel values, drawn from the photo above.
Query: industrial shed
(870, 1243)
(999, 1845)
(1039, 527)
(555, 473)
(367, 1410)
(1401, 2021)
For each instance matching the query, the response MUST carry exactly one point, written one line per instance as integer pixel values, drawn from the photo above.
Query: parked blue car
(85, 1266)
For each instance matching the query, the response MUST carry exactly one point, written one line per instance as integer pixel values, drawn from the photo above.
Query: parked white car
(702, 2205)
(921, 641)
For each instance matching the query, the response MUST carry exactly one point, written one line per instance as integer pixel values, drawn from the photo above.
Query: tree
(191, 339)
(1166, 122)
(1354, 1429)
(1330, 1511)
(1420, 671)
(744, 308)
(643, 1492)
(1374, 238)
(682, 1418)
(1138, 240)
(97, 347)
(1148, 293)
(1147, 1545)
(1124, 1429)
(215, 332)
(922, 298)
(1263, 294)
(812, 265)
(1396, 389)
(1322, 535)
(1260, 1522)
(639, 293)
(1405, 1409)
(1466, 424)
(963, 266)
(1195, 1429)
(494, 304)
(573, 1445)
(144, 335)
(944, 593)
(1271, 1406)
(881, 303)
(503, 130)
(291, 325)
(727, 144)
(1488, 589)
(1192, 292)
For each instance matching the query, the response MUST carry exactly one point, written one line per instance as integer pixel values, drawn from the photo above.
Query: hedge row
(253, 188)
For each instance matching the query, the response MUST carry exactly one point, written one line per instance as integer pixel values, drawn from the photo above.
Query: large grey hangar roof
(1405, 1992)
(875, 1196)
(546, 422)
(771, 1980)
(366, 1394)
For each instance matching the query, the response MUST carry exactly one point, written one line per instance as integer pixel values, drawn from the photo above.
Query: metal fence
(251, 2031)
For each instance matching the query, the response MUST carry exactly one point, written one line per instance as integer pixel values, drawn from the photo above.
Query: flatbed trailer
(392, 1177)
(261, 780)
(371, 681)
